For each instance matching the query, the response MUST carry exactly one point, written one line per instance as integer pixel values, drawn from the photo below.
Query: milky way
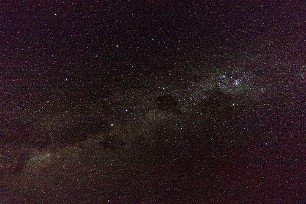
(152, 102)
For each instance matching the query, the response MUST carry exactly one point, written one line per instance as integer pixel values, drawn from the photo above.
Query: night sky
(153, 101)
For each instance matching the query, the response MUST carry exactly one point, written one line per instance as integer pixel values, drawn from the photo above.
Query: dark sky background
(152, 101)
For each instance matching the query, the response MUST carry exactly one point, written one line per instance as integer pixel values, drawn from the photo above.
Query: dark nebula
(152, 101)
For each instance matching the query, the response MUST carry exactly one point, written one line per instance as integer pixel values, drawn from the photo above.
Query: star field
(152, 101)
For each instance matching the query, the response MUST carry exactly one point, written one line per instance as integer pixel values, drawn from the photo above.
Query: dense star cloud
(152, 101)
